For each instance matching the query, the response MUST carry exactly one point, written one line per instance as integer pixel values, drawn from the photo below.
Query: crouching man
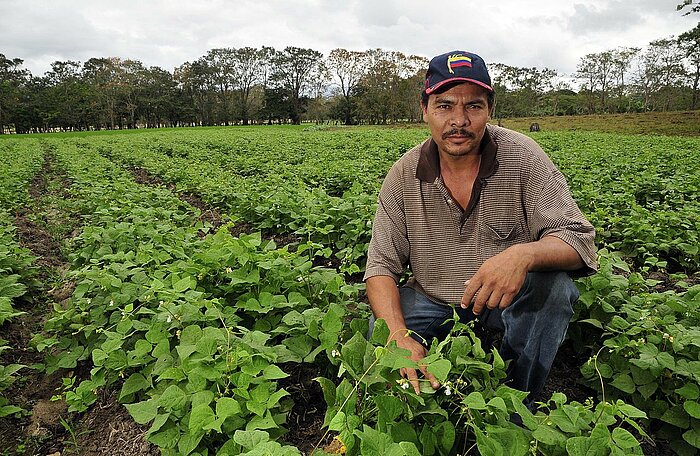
(487, 225)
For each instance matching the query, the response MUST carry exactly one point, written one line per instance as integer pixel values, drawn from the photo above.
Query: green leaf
(273, 372)
(353, 353)
(475, 400)
(592, 321)
(337, 422)
(677, 416)
(200, 417)
(624, 439)
(250, 439)
(446, 435)
(226, 407)
(135, 382)
(624, 382)
(631, 411)
(689, 391)
(389, 407)
(173, 398)
(409, 449)
(380, 333)
(584, 446)
(440, 369)
(548, 435)
(188, 443)
(167, 437)
(693, 408)
(185, 284)
(692, 437)
(143, 412)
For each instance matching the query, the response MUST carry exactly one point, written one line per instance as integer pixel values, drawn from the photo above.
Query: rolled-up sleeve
(388, 251)
(555, 213)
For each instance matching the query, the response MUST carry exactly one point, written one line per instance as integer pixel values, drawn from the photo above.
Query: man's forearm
(384, 299)
(550, 254)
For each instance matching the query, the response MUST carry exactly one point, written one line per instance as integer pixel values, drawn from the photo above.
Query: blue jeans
(533, 326)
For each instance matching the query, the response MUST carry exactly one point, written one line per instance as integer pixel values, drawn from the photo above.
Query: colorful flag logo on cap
(458, 60)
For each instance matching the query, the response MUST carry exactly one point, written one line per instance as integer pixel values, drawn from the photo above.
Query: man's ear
(424, 108)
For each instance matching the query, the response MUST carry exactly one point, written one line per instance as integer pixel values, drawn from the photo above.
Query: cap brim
(432, 89)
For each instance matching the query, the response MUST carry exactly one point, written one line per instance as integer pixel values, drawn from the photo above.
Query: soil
(305, 420)
(107, 428)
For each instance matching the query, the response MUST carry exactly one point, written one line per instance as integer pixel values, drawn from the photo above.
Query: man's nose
(460, 118)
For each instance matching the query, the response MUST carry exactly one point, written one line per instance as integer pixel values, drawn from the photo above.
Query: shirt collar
(429, 161)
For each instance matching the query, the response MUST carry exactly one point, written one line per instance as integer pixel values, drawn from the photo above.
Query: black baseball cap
(456, 67)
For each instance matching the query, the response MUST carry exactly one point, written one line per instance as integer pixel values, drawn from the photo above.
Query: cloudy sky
(167, 33)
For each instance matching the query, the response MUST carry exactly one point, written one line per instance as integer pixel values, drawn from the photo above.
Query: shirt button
(449, 201)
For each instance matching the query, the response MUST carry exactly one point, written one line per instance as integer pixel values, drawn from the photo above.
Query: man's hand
(498, 280)
(500, 277)
(403, 340)
(385, 301)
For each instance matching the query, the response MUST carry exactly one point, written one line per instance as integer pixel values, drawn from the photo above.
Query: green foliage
(197, 328)
(374, 412)
(17, 275)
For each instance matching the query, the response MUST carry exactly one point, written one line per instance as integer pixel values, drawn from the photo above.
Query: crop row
(197, 325)
(20, 161)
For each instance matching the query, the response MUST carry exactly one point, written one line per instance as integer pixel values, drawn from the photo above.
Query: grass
(676, 123)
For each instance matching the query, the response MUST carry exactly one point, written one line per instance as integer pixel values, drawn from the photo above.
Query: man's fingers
(413, 378)
(430, 377)
(506, 300)
(471, 291)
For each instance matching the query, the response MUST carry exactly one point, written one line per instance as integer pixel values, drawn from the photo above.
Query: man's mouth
(458, 133)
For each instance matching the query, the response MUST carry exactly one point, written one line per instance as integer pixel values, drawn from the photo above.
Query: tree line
(246, 85)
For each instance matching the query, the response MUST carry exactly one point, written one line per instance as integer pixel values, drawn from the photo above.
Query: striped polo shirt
(519, 196)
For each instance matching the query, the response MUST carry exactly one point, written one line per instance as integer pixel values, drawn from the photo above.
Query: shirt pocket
(496, 236)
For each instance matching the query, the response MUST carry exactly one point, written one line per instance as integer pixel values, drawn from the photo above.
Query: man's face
(457, 118)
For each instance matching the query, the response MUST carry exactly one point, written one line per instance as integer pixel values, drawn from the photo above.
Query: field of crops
(209, 281)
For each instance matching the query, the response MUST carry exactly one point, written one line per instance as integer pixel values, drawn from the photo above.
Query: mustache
(459, 131)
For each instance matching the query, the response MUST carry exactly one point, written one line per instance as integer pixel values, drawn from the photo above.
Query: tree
(221, 66)
(158, 99)
(195, 81)
(520, 91)
(692, 5)
(248, 69)
(690, 45)
(295, 70)
(390, 88)
(348, 68)
(13, 80)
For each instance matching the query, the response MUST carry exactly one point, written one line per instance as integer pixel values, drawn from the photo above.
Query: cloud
(551, 33)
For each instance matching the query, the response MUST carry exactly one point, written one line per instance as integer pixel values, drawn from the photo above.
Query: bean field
(198, 292)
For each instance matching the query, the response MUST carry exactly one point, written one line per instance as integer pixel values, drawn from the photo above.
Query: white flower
(170, 318)
(405, 385)
(334, 353)
(229, 270)
(666, 335)
(111, 303)
(448, 391)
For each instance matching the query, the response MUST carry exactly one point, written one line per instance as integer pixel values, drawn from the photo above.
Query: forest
(230, 86)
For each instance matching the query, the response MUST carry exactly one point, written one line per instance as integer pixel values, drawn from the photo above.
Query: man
(487, 225)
